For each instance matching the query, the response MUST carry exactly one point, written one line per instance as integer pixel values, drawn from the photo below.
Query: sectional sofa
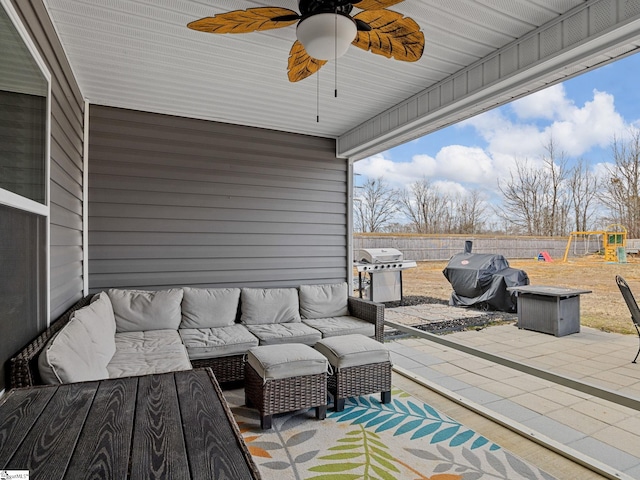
(119, 333)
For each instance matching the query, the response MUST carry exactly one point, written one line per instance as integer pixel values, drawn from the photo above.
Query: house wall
(176, 201)
(67, 113)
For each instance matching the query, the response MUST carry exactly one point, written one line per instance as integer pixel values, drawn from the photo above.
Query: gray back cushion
(83, 348)
(209, 307)
(269, 305)
(324, 301)
(140, 310)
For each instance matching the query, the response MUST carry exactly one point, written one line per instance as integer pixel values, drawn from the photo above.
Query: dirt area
(603, 309)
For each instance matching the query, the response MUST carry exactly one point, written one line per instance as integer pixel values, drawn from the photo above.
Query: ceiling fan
(326, 29)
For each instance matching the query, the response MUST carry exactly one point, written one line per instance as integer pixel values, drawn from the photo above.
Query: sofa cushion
(70, 356)
(322, 301)
(169, 358)
(272, 362)
(278, 333)
(209, 307)
(217, 342)
(145, 353)
(99, 319)
(141, 310)
(134, 342)
(269, 305)
(347, 325)
(83, 348)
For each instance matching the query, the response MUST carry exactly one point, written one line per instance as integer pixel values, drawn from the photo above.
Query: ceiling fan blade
(301, 65)
(245, 21)
(392, 35)
(375, 4)
(362, 26)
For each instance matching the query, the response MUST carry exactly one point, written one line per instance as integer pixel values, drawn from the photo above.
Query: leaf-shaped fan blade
(245, 21)
(375, 4)
(391, 35)
(301, 65)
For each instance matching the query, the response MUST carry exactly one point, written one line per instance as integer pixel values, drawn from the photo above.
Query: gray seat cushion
(352, 350)
(347, 325)
(209, 307)
(170, 358)
(217, 342)
(146, 341)
(273, 362)
(269, 305)
(145, 353)
(322, 301)
(278, 333)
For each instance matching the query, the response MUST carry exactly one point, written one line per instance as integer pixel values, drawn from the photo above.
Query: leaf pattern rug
(404, 439)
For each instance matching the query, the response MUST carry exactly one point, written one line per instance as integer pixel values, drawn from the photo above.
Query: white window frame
(17, 201)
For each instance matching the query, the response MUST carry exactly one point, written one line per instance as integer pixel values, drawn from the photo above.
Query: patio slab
(592, 426)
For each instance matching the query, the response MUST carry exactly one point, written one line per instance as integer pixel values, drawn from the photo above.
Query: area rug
(404, 439)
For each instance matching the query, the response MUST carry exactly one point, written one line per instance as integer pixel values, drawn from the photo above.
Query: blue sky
(581, 115)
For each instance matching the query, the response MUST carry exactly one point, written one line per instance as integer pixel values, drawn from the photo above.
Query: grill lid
(380, 255)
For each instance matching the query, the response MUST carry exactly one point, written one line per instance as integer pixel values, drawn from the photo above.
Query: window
(24, 179)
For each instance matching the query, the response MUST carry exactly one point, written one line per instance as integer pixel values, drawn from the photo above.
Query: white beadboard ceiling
(139, 54)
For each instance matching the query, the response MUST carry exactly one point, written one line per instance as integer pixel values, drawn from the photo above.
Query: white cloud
(397, 174)
(451, 188)
(544, 104)
(519, 131)
(574, 130)
(465, 164)
(455, 163)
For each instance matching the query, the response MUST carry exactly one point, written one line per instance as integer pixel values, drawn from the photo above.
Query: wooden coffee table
(170, 426)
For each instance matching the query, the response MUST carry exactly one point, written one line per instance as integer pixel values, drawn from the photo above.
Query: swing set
(613, 239)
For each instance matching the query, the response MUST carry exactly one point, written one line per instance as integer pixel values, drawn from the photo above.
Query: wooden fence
(443, 247)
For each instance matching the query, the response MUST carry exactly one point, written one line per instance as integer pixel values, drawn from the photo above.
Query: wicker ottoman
(285, 378)
(360, 365)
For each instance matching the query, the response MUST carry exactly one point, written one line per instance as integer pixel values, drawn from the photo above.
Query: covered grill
(384, 267)
(482, 279)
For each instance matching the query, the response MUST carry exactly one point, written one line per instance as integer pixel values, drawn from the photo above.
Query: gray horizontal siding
(176, 201)
(67, 117)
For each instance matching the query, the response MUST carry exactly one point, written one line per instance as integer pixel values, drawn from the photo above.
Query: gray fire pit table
(554, 310)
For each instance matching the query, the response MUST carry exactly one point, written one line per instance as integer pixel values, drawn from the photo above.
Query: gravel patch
(465, 321)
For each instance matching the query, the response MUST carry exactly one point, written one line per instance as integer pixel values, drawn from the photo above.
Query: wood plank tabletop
(169, 426)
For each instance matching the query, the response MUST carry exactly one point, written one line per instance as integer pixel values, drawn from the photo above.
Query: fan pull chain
(335, 46)
(318, 97)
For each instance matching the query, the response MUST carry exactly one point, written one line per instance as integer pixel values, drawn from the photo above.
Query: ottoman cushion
(352, 350)
(292, 360)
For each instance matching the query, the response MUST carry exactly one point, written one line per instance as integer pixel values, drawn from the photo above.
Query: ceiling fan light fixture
(326, 36)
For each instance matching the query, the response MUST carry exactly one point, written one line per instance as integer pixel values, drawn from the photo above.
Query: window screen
(22, 280)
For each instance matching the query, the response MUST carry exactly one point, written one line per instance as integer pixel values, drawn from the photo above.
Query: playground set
(612, 240)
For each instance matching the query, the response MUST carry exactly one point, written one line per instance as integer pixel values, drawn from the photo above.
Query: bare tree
(430, 210)
(584, 195)
(426, 208)
(522, 202)
(375, 205)
(557, 199)
(536, 200)
(470, 213)
(621, 190)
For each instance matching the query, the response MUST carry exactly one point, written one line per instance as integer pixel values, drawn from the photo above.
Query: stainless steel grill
(384, 267)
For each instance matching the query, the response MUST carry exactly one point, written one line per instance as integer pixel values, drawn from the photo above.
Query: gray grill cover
(482, 279)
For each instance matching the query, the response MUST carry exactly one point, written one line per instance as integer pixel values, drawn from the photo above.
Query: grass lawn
(603, 309)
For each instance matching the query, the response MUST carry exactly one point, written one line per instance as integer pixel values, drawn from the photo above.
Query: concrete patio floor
(591, 429)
